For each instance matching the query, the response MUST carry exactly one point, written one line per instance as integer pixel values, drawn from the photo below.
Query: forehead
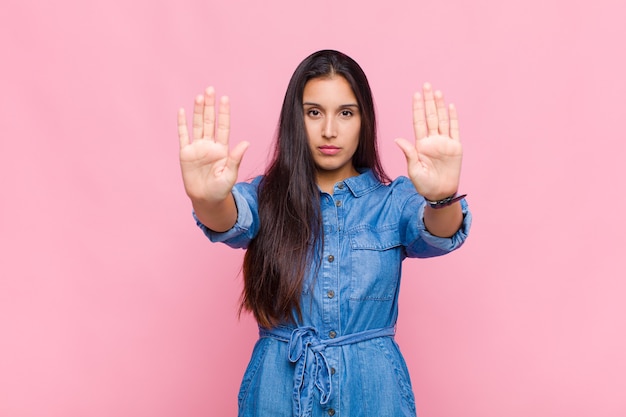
(333, 90)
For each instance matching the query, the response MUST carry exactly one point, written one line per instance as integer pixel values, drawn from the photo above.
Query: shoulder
(250, 185)
(402, 183)
(401, 188)
(368, 183)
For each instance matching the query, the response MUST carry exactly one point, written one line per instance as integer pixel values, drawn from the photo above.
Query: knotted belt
(306, 350)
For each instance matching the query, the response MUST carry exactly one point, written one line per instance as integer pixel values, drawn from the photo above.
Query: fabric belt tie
(306, 350)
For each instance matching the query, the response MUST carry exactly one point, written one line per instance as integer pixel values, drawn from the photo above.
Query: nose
(329, 129)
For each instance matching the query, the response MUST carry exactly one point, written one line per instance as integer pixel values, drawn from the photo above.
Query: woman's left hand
(434, 161)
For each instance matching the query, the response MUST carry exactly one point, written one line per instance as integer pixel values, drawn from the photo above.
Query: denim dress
(341, 358)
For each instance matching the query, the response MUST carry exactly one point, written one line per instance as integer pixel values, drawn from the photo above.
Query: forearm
(218, 216)
(443, 222)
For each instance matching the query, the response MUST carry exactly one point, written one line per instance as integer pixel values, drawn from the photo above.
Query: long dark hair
(278, 259)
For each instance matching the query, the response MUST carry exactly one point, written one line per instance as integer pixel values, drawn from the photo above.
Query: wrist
(206, 198)
(444, 202)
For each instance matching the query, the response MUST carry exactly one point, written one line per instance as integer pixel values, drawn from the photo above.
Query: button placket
(333, 213)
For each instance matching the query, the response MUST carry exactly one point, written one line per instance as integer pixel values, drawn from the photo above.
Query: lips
(329, 149)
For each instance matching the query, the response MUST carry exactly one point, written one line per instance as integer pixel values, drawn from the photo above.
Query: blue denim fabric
(369, 229)
(306, 351)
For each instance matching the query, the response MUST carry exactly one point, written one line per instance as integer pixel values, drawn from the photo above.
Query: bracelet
(445, 202)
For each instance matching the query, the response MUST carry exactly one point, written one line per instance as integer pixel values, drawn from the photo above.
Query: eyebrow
(308, 103)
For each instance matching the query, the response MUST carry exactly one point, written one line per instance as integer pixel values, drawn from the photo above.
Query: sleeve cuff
(239, 235)
(428, 245)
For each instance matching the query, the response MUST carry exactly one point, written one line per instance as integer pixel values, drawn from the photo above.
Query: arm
(218, 216)
(443, 222)
(434, 161)
(208, 168)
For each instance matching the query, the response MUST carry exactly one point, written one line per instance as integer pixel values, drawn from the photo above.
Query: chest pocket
(376, 257)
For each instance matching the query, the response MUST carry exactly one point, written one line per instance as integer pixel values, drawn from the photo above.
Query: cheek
(309, 129)
(356, 134)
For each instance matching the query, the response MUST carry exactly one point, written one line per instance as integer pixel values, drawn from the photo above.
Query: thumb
(408, 149)
(236, 156)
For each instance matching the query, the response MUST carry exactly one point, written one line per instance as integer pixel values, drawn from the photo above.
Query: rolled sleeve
(427, 245)
(247, 224)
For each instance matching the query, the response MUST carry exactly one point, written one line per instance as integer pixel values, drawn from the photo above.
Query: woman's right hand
(208, 167)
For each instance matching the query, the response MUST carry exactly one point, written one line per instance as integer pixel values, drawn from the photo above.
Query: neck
(326, 180)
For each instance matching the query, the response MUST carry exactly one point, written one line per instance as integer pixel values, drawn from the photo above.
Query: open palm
(209, 169)
(434, 160)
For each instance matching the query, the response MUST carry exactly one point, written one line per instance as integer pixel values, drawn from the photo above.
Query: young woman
(326, 232)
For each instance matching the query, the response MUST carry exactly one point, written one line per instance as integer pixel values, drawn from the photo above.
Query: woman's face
(333, 122)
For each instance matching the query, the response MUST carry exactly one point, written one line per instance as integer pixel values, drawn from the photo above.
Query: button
(331, 412)
(332, 334)
(330, 258)
(332, 371)
(330, 294)
(340, 185)
(338, 203)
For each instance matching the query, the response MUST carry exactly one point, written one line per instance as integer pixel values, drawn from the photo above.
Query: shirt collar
(363, 183)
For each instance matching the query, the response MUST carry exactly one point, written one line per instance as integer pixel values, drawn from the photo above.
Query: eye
(346, 113)
(313, 112)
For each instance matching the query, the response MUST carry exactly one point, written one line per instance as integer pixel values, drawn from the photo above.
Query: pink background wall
(112, 303)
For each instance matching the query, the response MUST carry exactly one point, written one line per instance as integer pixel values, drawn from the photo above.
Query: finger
(236, 155)
(183, 134)
(198, 107)
(223, 122)
(209, 113)
(454, 123)
(431, 110)
(419, 118)
(409, 151)
(442, 114)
